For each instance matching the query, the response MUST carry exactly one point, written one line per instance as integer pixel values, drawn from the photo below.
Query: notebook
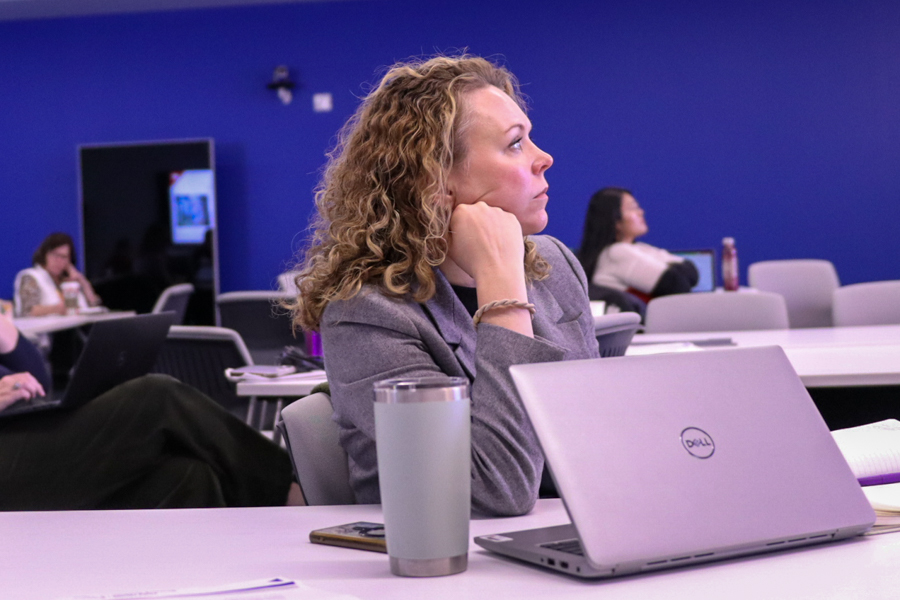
(116, 351)
(705, 261)
(673, 459)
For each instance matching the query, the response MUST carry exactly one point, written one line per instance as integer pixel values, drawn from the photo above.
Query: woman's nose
(543, 161)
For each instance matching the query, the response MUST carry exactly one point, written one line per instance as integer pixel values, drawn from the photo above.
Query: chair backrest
(716, 311)
(264, 326)
(806, 284)
(320, 463)
(872, 303)
(199, 355)
(174, 298)
(614, 332)
(623, 300)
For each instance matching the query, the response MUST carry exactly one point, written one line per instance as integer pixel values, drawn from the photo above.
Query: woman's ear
(449, 195)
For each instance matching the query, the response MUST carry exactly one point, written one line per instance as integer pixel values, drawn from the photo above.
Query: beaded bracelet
(501, 304)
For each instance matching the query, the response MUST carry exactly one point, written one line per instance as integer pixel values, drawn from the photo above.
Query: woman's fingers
(484, 236)
(21, 386)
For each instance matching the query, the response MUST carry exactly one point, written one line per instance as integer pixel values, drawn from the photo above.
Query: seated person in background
(422, 216)
(152, 442)
(37, 290)
(612, 258)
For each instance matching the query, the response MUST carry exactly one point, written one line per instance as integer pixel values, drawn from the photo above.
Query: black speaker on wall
(148, 218)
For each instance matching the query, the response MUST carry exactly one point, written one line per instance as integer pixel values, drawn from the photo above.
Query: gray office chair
(806, 284)
(716, 311)
(320, 463)
(614, 332)
(174, 298)
(199, 355)
(872, 303)
(263, 325)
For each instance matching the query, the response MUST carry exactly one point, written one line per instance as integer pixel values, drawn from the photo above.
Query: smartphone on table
(361, 535)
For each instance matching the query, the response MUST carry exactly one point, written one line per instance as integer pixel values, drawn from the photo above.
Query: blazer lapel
(453, 322)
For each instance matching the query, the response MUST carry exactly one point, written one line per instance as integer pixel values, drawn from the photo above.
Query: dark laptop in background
(705, 261)
(116, 351)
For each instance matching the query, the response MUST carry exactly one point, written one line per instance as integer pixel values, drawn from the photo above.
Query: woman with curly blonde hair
(421, 263)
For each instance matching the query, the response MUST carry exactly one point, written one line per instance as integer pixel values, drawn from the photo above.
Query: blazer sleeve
(373, 338)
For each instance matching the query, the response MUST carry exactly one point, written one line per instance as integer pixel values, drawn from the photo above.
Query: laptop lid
(116, 351)
(705, 261)
(688, 454)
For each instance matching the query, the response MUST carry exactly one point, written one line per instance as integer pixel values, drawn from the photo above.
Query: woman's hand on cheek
(484, 239)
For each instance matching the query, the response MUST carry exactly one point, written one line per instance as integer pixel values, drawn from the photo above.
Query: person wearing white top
(612, 258)
(37, 289)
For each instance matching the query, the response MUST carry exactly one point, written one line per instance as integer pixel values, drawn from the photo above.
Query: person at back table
(38, 289)
(420, 266)
(152, 442)
(612, 258)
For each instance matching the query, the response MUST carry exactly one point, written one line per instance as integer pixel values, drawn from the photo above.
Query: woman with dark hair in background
(38, 291)
(612, 258)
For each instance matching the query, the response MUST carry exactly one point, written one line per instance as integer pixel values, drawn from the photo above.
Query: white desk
(32, 326)
(822, 357)
(299, 384)
(54, 554)
(789, 338)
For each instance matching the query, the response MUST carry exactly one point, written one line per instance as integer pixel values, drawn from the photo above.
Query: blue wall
(774, 122)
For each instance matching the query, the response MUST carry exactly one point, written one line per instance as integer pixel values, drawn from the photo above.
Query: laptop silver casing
(671, 459)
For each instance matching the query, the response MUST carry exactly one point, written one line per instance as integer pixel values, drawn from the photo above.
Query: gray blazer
(372, 337)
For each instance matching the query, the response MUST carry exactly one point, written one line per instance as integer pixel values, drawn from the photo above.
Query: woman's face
(632, 224)
(502, 167)
(58, 260)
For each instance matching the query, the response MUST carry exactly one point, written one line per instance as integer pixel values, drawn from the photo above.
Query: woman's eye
(516, 145)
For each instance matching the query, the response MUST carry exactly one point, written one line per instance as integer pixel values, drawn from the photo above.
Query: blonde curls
(382, 213)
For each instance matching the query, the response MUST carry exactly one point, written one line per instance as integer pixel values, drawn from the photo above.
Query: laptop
(705, 261)
(116, 351)
(676, 459)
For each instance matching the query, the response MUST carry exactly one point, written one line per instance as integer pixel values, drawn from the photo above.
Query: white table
(789, 338)
(33, 326)
(299, 384)
(58, 554)
(275, 389)
(822, 357)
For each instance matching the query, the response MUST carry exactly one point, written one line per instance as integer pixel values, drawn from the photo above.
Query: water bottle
(729, 265)
(423, 437)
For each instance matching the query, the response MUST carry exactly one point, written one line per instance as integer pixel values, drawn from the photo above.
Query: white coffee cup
(423, 437)
(70, 290)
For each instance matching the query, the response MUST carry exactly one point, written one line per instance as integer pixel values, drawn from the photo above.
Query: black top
(25, 358)
(468, 296)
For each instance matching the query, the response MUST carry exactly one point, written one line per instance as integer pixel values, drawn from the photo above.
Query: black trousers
(150, 443)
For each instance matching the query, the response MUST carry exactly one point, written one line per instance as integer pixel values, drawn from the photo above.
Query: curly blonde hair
(382, 214)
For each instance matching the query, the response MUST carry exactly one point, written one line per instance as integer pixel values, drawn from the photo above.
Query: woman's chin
(536, 225)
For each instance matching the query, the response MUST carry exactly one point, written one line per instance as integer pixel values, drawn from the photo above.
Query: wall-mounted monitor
(192, 205)
(148, 215)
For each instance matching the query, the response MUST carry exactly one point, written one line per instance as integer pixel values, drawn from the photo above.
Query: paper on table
(885, 500)
(872, 449)
(277, 588)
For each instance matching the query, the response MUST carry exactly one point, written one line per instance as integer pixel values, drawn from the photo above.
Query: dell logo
(697, 442)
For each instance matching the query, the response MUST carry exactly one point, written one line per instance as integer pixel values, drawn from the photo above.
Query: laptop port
(551, 562)
(564, 564)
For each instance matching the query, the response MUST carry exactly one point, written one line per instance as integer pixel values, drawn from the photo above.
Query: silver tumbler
(423, 436)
